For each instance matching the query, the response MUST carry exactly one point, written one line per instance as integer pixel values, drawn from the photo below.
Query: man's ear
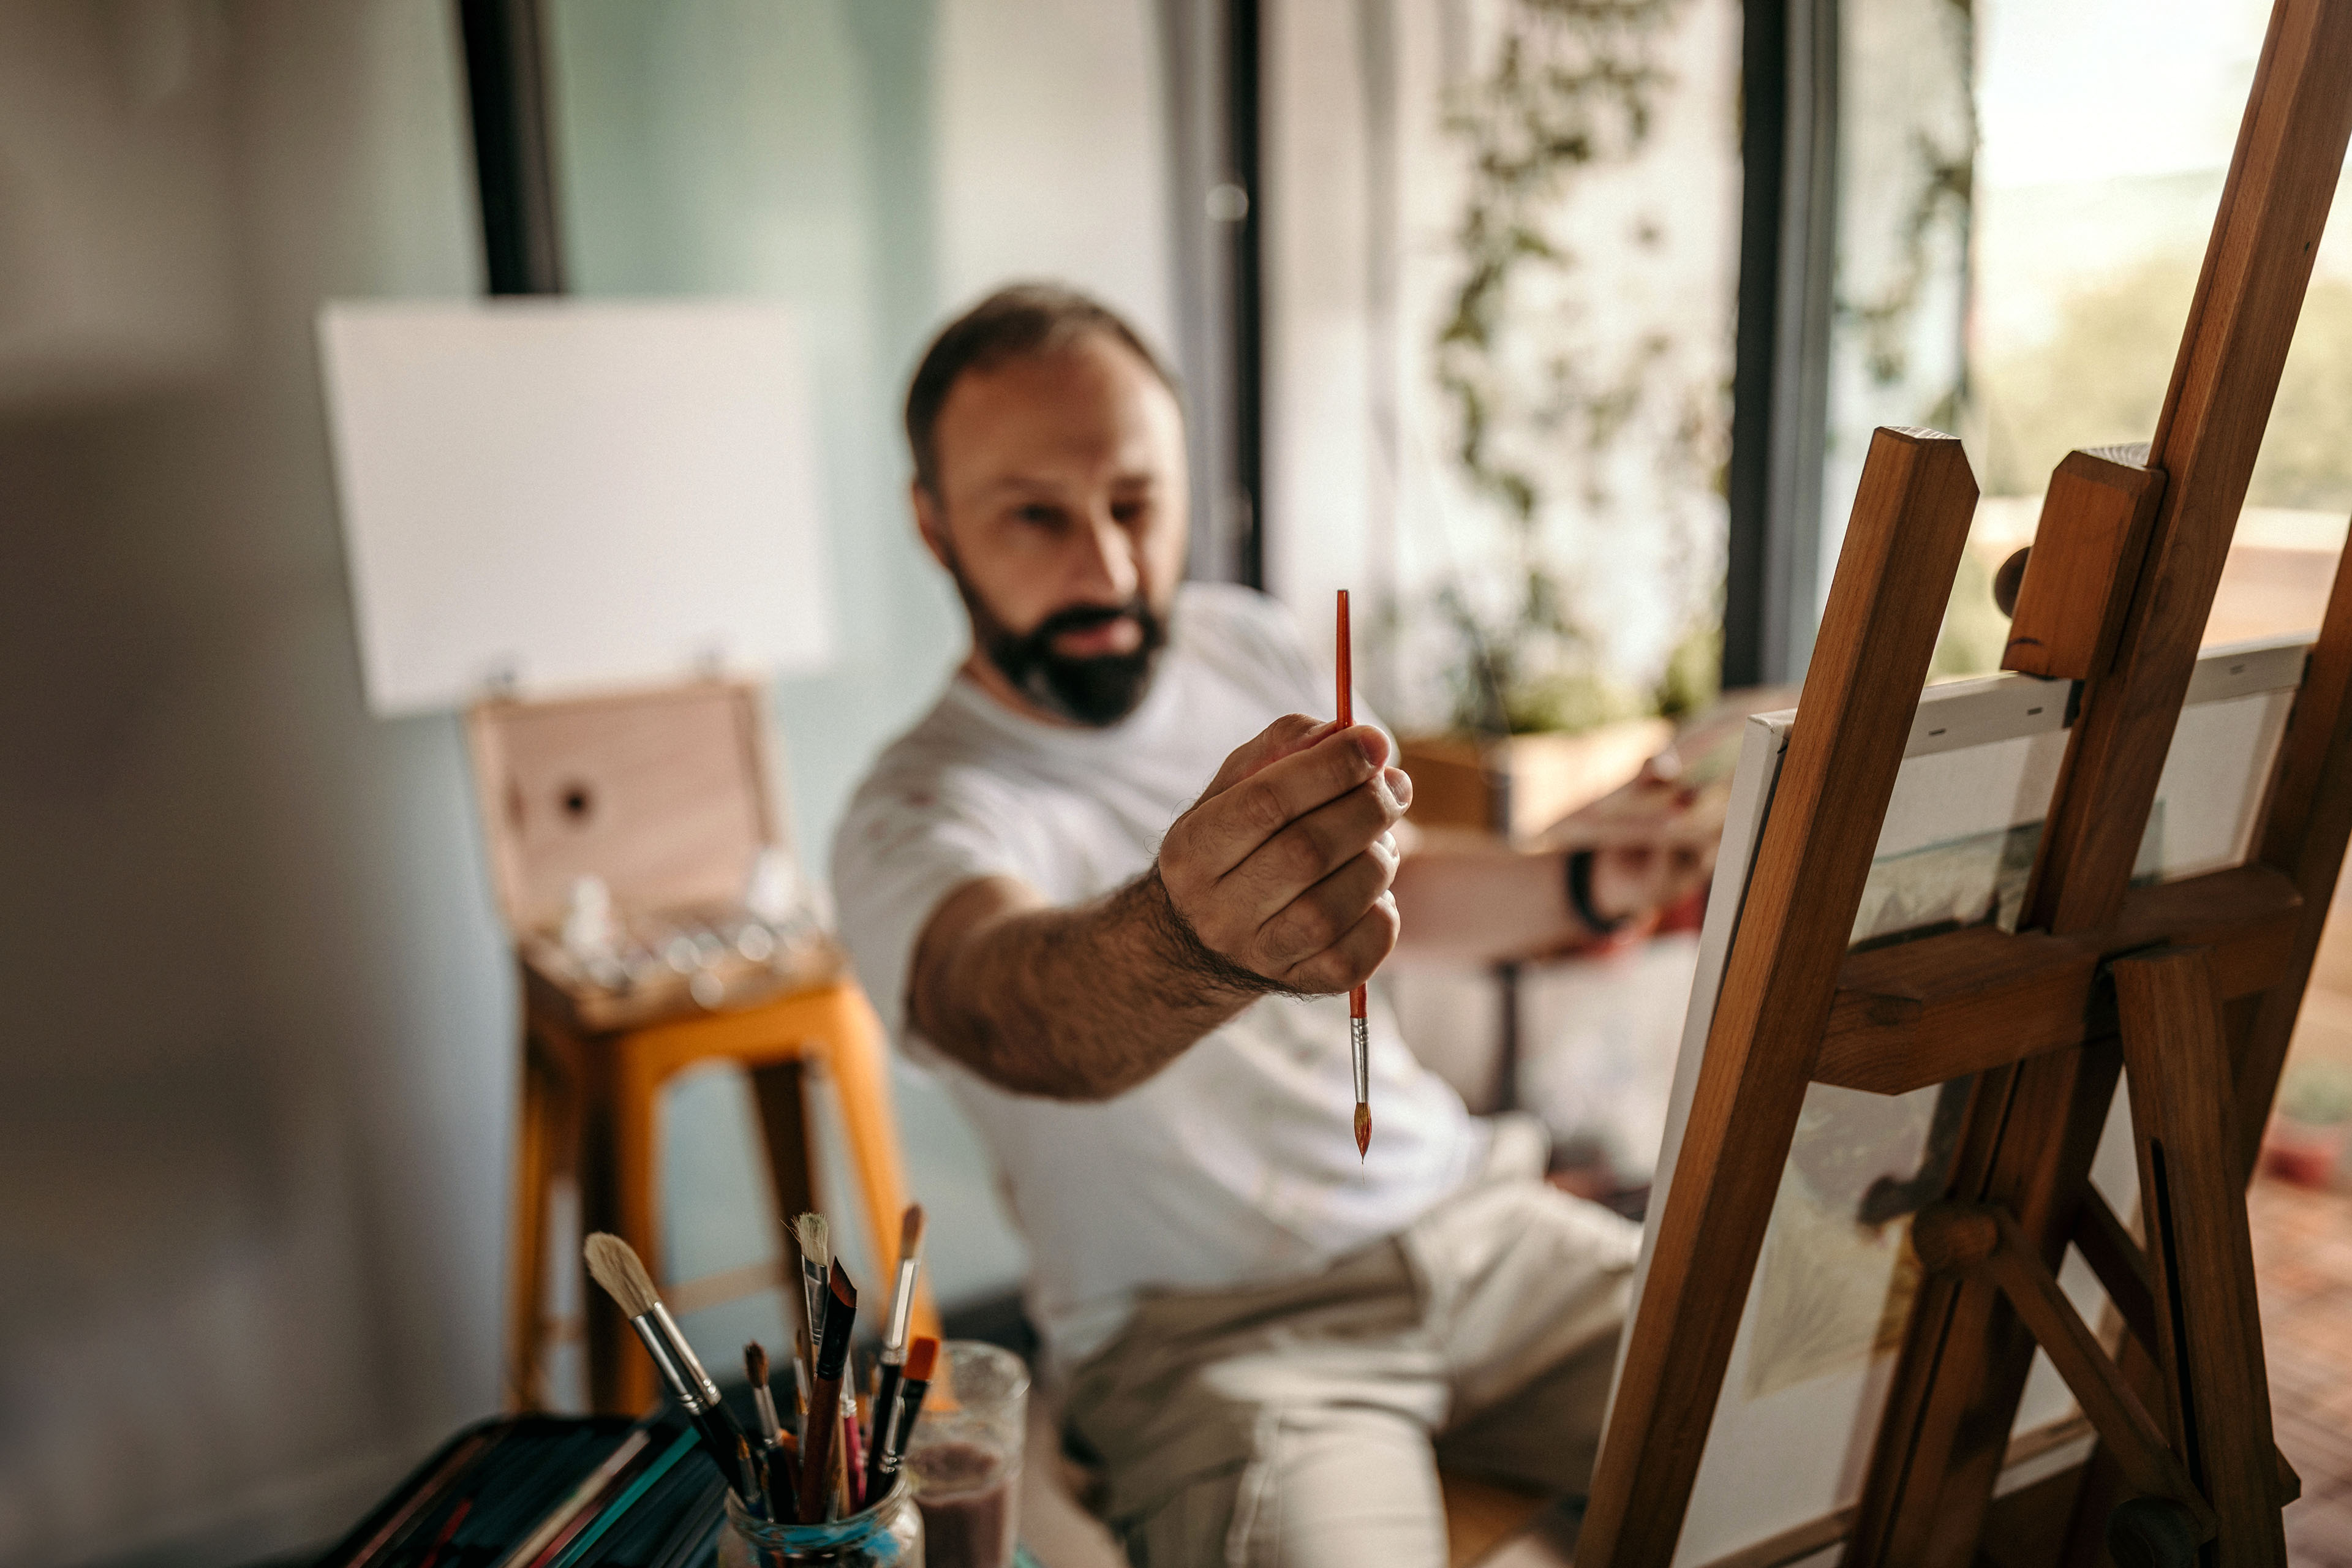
(930, 522)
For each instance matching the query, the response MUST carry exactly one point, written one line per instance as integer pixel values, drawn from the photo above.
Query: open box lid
(668, 795)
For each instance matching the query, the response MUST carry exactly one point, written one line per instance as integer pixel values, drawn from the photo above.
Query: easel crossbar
(1925, 1013)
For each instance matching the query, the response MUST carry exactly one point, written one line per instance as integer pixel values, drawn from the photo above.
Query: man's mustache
(1083, 618)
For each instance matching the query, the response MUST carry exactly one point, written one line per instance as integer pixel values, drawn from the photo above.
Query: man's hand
(1277, 879)
(1631, 880)
(1279, 873)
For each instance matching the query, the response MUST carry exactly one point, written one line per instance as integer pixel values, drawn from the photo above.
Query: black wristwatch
(1580, 896)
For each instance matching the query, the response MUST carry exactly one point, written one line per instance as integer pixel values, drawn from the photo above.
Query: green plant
(1540, 401)
(2101, 377)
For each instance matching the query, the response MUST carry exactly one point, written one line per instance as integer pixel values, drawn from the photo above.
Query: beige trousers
(1301, 1424)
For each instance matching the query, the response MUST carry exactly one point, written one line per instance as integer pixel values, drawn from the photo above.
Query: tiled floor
(2303, 1270)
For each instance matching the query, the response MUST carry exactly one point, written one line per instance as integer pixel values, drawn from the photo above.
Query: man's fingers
(1226, 829)
(1350, 962)
(1327, 911)
(1291, 733)
(1635, 878)
(1294, 860)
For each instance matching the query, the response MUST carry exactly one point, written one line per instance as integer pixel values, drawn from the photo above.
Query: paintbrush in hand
(894, 1342)
(1360, 1037)
(822, 1430)
(617, 1267)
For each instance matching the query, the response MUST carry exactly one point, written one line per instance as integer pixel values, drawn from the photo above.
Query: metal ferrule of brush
(657, 1345)
(686, 1356)
(1359, 1043)
(902, 1308)
(814, 1292)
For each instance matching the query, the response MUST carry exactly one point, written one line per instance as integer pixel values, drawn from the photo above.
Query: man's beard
(1098, 690)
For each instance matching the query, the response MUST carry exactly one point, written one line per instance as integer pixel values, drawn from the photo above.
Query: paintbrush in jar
(815, 1237)
(822, 1430)
(617, 1267)
(891, 1436)
(894, 1342)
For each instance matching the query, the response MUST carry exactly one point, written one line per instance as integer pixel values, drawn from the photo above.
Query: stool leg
(779, 1088)
(856, 1052)
(610, 1343)
(627, 1384)
(526, 1387)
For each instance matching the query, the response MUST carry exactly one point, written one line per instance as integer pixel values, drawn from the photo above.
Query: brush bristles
(910, 1232)
(920, 1357)
(843, 1290)
(755, 1363)
(617, 1267)
(815, 1238)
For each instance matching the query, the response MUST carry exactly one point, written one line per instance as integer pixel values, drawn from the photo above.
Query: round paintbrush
(1359, 1040)
(894, 1342)
(616, 1266)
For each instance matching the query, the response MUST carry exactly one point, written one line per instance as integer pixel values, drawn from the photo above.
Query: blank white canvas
(550, 495)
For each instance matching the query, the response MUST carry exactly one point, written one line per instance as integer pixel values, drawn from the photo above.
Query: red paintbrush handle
(1347, 677)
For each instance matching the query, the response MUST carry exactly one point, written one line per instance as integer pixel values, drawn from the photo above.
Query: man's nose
(1108, 564)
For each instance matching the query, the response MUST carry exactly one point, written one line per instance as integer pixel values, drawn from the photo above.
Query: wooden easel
(2192, 986)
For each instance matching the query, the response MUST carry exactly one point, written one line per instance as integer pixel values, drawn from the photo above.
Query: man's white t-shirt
(1234, 1164)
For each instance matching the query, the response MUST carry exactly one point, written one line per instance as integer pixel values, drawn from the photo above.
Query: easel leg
(2201, 1256)
(2032, 1129)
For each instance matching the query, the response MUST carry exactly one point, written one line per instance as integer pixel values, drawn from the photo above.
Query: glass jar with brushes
(890, 1532)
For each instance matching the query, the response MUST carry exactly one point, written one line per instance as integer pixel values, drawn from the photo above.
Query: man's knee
(1321, 1488)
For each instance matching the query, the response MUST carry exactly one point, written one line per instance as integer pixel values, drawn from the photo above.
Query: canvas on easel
(2191, 984)
(1836, 1276)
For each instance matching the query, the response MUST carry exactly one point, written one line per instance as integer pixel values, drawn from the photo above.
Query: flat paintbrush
(1359, 1040)
(617, 1267)
(822, 1430)
(815, 1239)
(894, 1342)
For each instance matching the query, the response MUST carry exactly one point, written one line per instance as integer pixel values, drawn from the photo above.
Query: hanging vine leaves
(1573, 84)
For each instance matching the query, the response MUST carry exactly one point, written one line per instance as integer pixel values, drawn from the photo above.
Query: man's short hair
(1014, 322)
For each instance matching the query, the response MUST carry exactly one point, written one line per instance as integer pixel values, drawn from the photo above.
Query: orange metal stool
(590, 1101)
(664, 804)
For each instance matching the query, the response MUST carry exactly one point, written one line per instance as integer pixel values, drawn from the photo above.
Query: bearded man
(1112, 888)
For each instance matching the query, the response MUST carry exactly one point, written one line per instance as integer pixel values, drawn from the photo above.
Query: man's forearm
(1077, 1004)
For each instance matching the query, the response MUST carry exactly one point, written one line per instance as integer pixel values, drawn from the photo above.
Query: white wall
(256, 1082)
(1053, 156)
(113, 205)
(254, 1092)
(255, 1086)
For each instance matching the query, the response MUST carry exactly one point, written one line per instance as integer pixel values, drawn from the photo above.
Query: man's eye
(1044, 516)
(1127, 513)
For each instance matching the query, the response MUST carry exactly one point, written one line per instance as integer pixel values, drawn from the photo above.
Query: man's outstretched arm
(1470, 899)
(1275, 880)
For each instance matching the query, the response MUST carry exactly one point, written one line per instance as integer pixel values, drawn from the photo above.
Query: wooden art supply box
(666, 799)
